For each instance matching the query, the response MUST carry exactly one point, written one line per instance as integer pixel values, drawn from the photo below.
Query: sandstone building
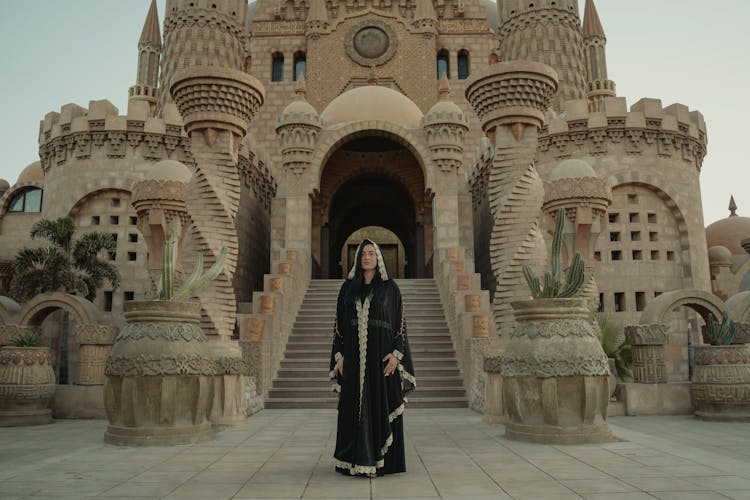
(360, 125)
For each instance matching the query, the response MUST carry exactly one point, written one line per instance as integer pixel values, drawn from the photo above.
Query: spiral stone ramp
(302, 380)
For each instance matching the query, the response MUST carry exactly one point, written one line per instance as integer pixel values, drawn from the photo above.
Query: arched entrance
(371, 181)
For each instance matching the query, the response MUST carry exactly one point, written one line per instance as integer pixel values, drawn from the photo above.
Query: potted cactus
(27, 381)
(722, 373)
(158, 389)
(555, 373)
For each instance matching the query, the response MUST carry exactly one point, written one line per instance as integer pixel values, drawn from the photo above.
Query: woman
(371, 364)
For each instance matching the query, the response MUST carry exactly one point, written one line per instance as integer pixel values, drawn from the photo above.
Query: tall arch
(38, 308)
(704, 303)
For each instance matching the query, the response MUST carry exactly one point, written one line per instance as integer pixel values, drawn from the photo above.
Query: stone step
(419, 363)
(314, 392)
(416, 351)
(332, 402)
(322, 371)
(325, 337)
(324, 383)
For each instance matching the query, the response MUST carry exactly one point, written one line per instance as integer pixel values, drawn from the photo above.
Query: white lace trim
(408, 376)
(359, 469)
(337, 356)
(388, 443)
(398, 354)
(395, 413)
(336, 388)
(363, 314)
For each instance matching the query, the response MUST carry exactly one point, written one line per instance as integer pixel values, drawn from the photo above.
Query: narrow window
(115, 202)
(114, 219)
(616, 255)
(653, 236)
(107, 301)
(654, 254)
(132, 256)
(670, 255)
(634, 217)
(635, 236)
(126, 296)
(133, 220)
(277, 67)
(443, 66)
(640, 301)
(463, 64)
(637, 255)
(619, 301)
(613, 218)
(614, 236)
(652, 218)
(133, 238)
(300, 65)
(600, 308)
(95, 220)
(598, 256)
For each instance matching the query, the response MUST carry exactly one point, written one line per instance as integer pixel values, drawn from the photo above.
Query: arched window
(443, 66)
(29, 200)
(300, 65)
(463, 64)
(277, 67)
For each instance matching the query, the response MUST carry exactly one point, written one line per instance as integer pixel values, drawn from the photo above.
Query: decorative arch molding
(704, 303)
(331, 139)
(37, 309)
(91, 187)
(738, 306)
(671, 199)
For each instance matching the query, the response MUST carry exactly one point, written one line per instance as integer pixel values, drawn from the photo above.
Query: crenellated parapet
(77, 133)
(648, 129)
(257, 176)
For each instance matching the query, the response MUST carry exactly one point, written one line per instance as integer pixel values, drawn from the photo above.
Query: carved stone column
(648, 352)
(510, 99)
(95, 344)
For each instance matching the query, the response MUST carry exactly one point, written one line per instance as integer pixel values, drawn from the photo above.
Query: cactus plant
(554, 286)
(197, 279)
(716, 333)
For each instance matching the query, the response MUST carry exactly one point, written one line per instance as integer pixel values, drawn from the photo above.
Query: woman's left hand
(392, 364)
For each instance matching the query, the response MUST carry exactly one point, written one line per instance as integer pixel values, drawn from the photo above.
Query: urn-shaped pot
(27, 384)
(721, 383)
(555, 374)
(159, 387)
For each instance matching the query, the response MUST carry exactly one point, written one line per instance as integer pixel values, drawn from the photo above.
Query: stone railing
(264, 332)
(467, 310)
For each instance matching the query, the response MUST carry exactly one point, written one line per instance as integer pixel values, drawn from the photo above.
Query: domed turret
(32, 173)
(729, 232)
(445, 127)
(372, 102)
(298, 129)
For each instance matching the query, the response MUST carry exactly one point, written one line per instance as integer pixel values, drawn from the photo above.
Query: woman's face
(369, 258)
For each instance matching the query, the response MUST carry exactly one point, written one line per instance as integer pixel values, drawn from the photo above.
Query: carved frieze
(654, 334)
(156, 365)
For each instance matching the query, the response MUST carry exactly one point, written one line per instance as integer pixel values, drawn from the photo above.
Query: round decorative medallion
(371, 43)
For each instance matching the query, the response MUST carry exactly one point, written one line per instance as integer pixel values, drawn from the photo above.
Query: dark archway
(371, 181)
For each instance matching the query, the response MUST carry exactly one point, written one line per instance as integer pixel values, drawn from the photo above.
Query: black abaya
(369, 325)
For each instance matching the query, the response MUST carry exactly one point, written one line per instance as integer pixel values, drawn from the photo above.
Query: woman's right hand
(340, 365)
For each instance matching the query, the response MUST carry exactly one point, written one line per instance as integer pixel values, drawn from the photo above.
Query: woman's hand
(392, 364)
(340, 365)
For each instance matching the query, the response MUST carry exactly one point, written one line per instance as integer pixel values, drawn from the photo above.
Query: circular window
(371, 43)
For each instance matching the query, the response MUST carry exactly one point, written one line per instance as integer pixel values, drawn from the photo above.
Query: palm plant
(67, 265)
(614, 346)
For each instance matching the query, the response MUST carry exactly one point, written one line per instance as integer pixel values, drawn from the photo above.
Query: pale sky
(694, 52)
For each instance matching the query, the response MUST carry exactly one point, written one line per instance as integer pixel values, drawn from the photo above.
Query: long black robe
(370, 432)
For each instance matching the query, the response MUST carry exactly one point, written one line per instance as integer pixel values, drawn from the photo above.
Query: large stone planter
(27, 384)
(555, 375)
(721, 383)
(159, 387)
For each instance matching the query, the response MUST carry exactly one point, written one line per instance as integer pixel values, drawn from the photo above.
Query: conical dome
(299, 110)
(444, 110)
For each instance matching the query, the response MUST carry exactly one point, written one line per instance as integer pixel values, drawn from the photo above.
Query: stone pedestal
(494, 410)
(555, 375)
(95, 344)
(648, 352)
(27, 383)
(159, 388)
(229, 407)
(721, 383)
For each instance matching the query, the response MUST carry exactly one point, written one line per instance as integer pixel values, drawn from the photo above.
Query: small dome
(445, 106)
(299, 107)
(372, 102)
(169, 170)
(729, 233)
(719, 255)
(4, 185)
(32, 173)
(569, 169)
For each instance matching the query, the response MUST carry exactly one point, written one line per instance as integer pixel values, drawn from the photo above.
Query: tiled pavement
(451, 454)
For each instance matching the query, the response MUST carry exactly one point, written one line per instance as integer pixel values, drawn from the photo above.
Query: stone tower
(201, 33)
(549, 32)
(598, 86)
(149, 50)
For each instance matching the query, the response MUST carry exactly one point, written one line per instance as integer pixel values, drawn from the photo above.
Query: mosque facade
(355, 118)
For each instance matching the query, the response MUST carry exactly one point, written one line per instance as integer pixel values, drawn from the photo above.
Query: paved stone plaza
(451, 454)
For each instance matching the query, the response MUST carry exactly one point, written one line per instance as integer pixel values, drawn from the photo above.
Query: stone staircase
(302, 380)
